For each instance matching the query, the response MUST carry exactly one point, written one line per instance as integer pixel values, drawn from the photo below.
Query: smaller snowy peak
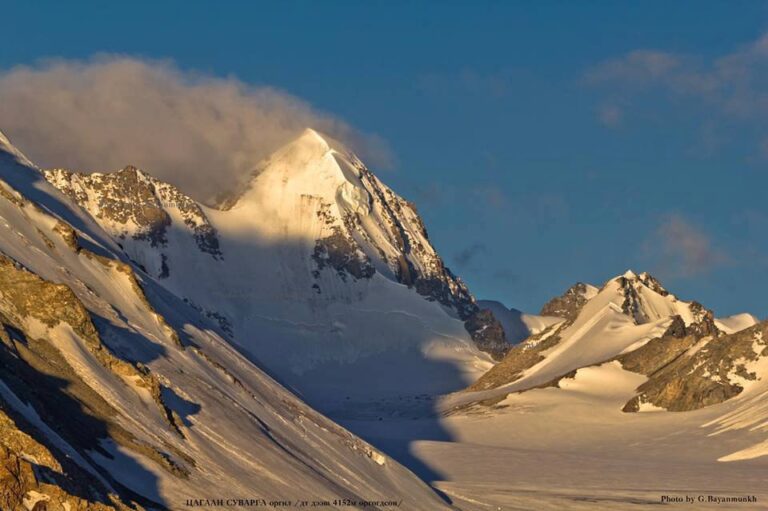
(645, 300)
(310, 164)
(569, 304)
(132, 205)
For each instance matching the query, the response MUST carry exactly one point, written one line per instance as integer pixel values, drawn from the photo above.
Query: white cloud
(733, 85)
(200, 132)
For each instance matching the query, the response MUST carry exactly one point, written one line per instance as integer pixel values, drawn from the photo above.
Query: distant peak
(304, 159)
(645, 279)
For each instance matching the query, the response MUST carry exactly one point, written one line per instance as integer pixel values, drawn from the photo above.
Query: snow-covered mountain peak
(315, 189)
(630, 278)
(315, 255)
(643, 298)
(629, 274)
(312, 137)
(312, 164)
(115, 394)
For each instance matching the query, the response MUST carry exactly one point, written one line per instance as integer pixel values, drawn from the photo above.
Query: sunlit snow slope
(316, 269)
(620, 318)
(109, 384)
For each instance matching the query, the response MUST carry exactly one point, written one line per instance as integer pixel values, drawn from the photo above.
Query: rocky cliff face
(134, 207)
(694, 371)
(34, 477)
(488, 333)
(569, 304)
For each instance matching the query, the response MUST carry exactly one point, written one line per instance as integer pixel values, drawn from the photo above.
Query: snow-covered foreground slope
(573, 448)
(634, 397)
(109, 384)
(316, 269)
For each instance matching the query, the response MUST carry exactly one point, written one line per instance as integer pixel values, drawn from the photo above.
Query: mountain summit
(115, 394)
(620, 317)
(315, 268)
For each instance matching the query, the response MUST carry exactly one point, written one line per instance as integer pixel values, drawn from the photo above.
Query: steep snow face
(366, 226)
(320, 272)
(107, 373)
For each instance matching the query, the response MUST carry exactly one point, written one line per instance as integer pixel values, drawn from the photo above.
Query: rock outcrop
(133, 205)
(568, 305)
(696, 371)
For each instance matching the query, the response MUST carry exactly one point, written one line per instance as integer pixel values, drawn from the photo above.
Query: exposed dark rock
(488, 333)
(519, 358)
(677, 328)
(68, 234)
(165, 271)
(652, 283)
(129, 203)
(60, 484)
(340, 252)
(569, 304)
(704, 321)
(694, 372)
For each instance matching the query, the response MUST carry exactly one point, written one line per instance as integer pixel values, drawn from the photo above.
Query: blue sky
(543, 142)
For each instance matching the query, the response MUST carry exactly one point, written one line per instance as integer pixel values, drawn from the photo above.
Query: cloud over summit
(203, 133)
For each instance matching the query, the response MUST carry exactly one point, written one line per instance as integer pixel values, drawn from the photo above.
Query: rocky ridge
(640, 298)
(132, 205)
(693, 371)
